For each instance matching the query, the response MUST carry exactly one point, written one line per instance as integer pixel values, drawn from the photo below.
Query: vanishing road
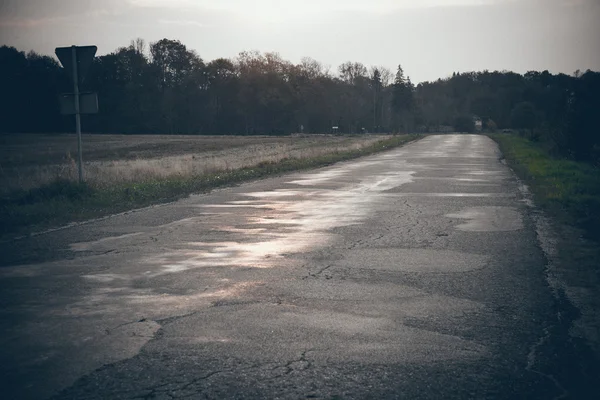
(416, 273)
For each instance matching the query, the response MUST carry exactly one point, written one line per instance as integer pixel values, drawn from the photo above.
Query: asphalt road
(414, 274)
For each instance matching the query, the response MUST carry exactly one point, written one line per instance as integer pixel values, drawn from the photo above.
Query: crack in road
(318, 273)
(302, 359)
(109, 330)
(299, 364)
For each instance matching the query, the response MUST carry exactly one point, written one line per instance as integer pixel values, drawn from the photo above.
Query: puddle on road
(489, 219)
(314, 179)
(297, 220)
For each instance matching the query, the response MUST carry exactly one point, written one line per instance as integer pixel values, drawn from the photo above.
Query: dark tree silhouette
(167, 88)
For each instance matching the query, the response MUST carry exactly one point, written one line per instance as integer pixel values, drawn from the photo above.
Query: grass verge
(569, 192)
(65, 201)
(566, 189)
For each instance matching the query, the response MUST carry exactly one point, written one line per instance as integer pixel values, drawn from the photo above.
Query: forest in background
(166, 88)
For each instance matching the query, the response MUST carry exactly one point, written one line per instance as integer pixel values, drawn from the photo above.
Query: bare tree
(387, 76)
(351, 71)
(311, 68)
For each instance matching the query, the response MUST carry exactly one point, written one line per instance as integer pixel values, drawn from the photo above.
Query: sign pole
(77, 113)
(76, 60)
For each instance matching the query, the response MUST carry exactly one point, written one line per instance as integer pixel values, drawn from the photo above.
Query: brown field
(28, 161)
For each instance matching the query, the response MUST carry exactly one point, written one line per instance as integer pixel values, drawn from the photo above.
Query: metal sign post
(76, 61)
(77, 115)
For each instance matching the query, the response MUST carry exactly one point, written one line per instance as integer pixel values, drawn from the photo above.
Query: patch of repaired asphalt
(366, 338)
(413, 260)
(489, 219)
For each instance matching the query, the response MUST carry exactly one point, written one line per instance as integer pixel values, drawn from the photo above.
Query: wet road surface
(414, 273)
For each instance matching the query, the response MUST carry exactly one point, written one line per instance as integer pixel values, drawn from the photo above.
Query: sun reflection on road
(289, 221)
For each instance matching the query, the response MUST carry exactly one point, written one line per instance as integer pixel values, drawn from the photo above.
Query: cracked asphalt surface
(416, 273)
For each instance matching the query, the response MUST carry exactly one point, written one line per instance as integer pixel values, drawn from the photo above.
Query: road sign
(88, 103)
(84, 55)
(76, 61)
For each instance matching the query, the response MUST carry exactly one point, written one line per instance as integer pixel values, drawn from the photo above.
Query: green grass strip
(63, 201)
(566, 189)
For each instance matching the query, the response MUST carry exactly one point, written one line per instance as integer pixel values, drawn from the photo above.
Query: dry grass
(124, 184)
(31, 161)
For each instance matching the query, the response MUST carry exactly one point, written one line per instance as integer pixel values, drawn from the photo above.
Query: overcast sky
(430, 38)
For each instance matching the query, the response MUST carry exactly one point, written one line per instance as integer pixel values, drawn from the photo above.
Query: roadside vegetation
(63, 200)
(30, 161)
(569, 192)
(567, 189)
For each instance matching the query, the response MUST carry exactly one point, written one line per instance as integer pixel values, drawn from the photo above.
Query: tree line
(164, 87)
